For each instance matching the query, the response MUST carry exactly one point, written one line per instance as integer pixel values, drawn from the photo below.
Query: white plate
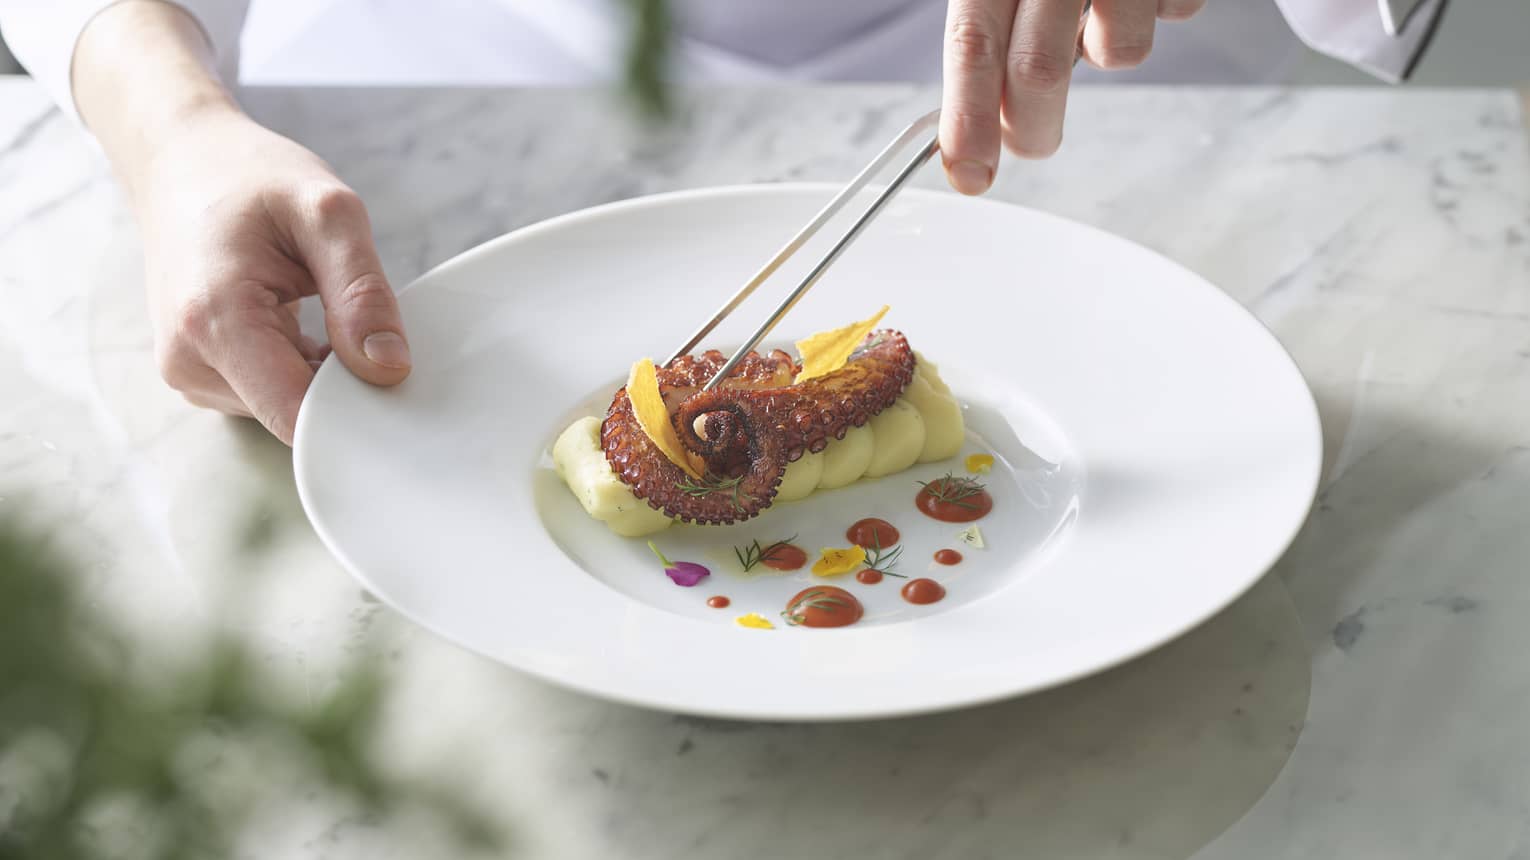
(1158, 451)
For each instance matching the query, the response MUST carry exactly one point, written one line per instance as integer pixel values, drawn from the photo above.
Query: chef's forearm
(143, 70)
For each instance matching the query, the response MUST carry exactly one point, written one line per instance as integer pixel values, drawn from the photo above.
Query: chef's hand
(1007, 66)
(238, 223)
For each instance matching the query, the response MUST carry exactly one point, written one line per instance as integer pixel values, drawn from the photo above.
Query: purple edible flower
(682, 573)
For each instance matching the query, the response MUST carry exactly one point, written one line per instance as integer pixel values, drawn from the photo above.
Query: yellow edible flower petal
(755, 620)
(827, 351)
(833, 562)
(653, 417)
(979, 463)
(971, 536)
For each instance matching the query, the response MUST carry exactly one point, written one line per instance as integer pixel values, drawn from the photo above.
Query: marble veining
(1368, 699)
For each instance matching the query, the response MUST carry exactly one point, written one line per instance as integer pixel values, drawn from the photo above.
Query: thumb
(360, 311)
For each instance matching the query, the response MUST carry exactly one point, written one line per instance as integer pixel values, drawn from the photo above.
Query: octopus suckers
(746, 430)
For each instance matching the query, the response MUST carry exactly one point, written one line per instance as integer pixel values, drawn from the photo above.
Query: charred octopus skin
(746, 431)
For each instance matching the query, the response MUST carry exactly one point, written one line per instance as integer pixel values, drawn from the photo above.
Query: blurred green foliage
(98, 761)
(648, 58)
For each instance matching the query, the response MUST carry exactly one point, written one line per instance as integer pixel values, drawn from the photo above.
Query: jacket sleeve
(42, 35)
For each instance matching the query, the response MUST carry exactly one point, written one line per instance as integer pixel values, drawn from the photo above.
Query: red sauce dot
(869, 576)
(872, 532)
(923, 591)
(948, 556)
(823, 606)
(718, 602)
(785, 557)
(953, 500)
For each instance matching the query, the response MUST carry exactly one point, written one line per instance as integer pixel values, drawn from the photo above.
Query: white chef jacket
(568, 42)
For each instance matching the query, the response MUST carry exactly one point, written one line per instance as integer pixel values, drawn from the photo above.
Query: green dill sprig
(713, 484)
(954, 489)
(881, 560)
(754, 554)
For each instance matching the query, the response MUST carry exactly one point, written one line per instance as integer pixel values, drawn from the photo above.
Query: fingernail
(386, 348)
(970, 177)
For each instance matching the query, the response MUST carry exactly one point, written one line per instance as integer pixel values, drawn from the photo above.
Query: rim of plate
(1289, 530)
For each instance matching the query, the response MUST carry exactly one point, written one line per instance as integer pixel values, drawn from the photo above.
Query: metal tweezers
(913, 131)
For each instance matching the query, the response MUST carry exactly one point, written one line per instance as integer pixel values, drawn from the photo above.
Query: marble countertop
(1369, 698)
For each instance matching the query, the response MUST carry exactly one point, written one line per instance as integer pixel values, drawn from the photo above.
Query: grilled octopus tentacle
(749, 428)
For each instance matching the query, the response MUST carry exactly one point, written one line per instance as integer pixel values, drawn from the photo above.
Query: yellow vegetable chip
(653, 417)
(979, 463)
(833, 562)
(827, 351)
(755, 620)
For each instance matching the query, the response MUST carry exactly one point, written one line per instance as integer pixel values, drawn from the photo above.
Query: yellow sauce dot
(977, 463)
(755, 620)
(833, 562)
